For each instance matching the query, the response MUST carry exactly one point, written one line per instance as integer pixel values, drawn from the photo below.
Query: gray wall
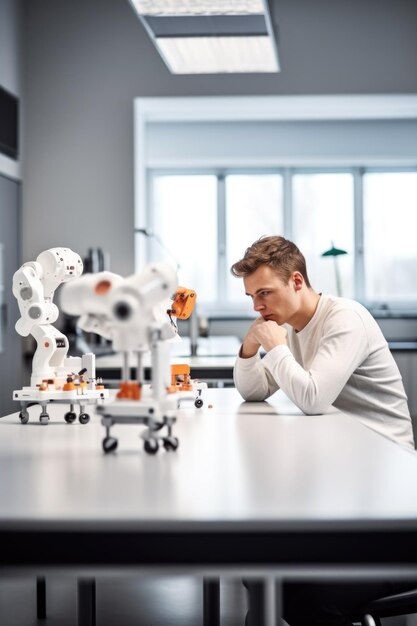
(86, 60)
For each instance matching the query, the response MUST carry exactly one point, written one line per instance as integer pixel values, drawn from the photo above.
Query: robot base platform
(154, 414)
(32, 395)
(193, 395)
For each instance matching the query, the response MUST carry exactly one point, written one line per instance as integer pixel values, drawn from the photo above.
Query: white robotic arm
(29, 292)
(135, 314)
(34, 285)
(89, 299)
(125, 310)
(59, 265)
(138, 307)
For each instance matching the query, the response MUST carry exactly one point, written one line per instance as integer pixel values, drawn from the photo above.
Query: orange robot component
(129, 390)
(69, 385)
(180, 377)
(183, 303)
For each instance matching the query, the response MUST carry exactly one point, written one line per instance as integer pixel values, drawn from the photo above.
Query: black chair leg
(211, 602)
(256, 612)
(86, 602)
(41, 598)
(264, 602)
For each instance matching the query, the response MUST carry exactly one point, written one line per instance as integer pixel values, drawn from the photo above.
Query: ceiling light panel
(213, 55)
(211, 36)
(198, 7)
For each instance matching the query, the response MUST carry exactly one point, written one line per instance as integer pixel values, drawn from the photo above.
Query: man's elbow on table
(251, 393)
(313, 406)
(253, 396)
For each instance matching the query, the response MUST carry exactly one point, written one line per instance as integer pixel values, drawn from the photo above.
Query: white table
(254, 488)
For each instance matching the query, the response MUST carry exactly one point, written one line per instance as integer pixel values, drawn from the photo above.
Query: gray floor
(129, 602)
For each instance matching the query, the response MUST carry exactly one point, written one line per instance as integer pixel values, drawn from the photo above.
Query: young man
(321, 350)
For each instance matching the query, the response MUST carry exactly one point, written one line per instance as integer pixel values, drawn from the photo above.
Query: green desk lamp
(335, 252)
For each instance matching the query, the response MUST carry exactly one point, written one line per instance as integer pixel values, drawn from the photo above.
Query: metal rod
(139, 370)
(270, 603)
(126, 369)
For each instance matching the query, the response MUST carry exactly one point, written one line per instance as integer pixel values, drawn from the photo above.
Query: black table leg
(86, 601)
(40, 597)
(211, 602)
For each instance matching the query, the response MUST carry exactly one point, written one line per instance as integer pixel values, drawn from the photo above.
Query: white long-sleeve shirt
(341, 359)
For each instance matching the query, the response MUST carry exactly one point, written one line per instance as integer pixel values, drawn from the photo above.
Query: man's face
(272, 297)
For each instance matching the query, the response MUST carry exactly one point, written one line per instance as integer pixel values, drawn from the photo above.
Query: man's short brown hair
(279, 253)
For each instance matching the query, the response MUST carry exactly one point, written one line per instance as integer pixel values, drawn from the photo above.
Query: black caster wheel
(24, 417)
(151, 446)
(44, 418)
(109, 444)
(170, 443)
(198, 403)
(84, 418)
(70, 417)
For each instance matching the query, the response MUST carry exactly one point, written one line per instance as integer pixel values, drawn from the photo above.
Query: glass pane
(184, 217)
(323, 217)
(254, 207)
(390, 227)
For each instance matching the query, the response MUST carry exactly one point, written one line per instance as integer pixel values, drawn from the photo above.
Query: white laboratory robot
(136, 313)
(55, 377)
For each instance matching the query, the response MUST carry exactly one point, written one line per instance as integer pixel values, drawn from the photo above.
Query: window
(184, 216)
(322, 208)
(205, 221)
(390, 227)
(254, 207)
(213, 174)
(204, 224)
